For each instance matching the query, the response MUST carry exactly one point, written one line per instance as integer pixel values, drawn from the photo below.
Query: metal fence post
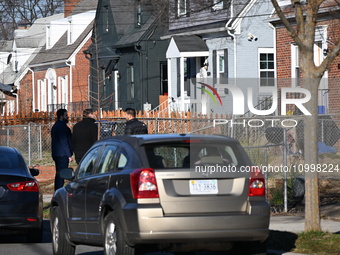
(7, 137)
(40, 142)
(284, 169)
(29, 143)
(266, 172)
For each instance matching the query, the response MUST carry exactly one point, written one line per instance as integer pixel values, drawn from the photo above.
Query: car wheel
(35, 235)
(60, 244)
(114, 243)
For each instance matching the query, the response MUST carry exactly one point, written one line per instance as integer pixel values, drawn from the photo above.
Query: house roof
(84, 6)
(133, 34)
(288, 10)
(6, 46)
(187, 46)
(60, 51)
(35, 35)
(123, 14)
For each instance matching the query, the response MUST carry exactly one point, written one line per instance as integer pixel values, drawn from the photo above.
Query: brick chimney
(69, 6)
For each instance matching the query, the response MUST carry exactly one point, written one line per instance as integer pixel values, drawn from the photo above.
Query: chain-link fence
(263, 138)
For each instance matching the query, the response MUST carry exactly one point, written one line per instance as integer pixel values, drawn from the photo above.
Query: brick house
(327, 33)
(287, 56)
(60, 71)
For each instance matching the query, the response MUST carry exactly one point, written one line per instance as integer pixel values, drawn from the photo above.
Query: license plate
(203, 187)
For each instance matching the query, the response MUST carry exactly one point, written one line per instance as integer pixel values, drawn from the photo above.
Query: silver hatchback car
(168, 191)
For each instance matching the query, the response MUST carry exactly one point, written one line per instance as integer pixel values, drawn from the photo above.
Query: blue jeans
(61, 162)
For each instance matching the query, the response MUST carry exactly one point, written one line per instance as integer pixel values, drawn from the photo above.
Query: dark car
(21, 204)
(166, 191)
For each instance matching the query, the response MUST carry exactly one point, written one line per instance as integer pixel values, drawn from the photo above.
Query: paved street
(11, 245)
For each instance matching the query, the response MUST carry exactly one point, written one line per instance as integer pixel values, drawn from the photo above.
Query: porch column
(182, 82)
(169, 60)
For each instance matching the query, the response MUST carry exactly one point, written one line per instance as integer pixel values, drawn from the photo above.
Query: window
(122, 161)
(130, 83)
(266, 67)
(173, 155)
(139, 15)
(87, 164)
(48, 37)
(217, 5)
(106, 19)
(106, 163)
(69, 32)
(220, 64)
(182, 8)
(42, 95)
(295, 65)
(62, 91)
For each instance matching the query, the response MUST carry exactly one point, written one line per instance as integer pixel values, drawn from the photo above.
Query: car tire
(35, 235)
(60, 244)
(114, 243)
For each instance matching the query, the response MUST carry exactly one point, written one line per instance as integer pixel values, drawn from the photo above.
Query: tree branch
(288, 26)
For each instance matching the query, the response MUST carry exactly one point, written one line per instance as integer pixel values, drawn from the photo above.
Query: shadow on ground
(281, 241)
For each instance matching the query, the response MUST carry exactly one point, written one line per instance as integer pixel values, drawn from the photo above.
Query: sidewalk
(296, 224)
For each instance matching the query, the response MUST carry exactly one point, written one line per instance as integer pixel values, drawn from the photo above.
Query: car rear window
(181, 155)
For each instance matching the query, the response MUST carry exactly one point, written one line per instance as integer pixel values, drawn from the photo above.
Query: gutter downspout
(230, 32)
(136, 45)
(69, 64)
(33, 89)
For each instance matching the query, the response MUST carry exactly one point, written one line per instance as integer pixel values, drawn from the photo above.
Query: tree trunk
(312, 212)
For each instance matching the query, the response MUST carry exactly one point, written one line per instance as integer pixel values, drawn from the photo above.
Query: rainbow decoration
(209, 93)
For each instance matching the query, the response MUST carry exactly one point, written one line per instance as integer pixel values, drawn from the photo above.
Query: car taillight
(256, 183)
(30, 186)
(143, 183)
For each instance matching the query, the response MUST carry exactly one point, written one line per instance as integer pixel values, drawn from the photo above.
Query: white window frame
(180, 10)
(69, 32)
(219, 64)
(217, 5)
(63, 90)
(295, 64)
(48, 37)
(266, 51)
(42, 100)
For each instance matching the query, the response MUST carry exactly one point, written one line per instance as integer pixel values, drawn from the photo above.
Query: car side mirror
(67, 174)
(34, 171)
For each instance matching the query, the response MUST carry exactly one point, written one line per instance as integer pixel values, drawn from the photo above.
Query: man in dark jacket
(134, 126)
(85, 134)
(61, 146)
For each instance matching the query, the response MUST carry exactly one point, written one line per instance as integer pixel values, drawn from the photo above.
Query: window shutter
(226, 71)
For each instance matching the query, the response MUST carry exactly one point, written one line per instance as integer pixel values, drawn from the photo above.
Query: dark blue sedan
(21, 205)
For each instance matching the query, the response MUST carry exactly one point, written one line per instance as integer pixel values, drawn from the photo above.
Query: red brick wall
(81, 72)
(45, 173)
(283, 60)
(80, 88)
(69, 6)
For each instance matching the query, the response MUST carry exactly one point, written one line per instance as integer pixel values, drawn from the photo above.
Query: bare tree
(14, 12)
(303, 34)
